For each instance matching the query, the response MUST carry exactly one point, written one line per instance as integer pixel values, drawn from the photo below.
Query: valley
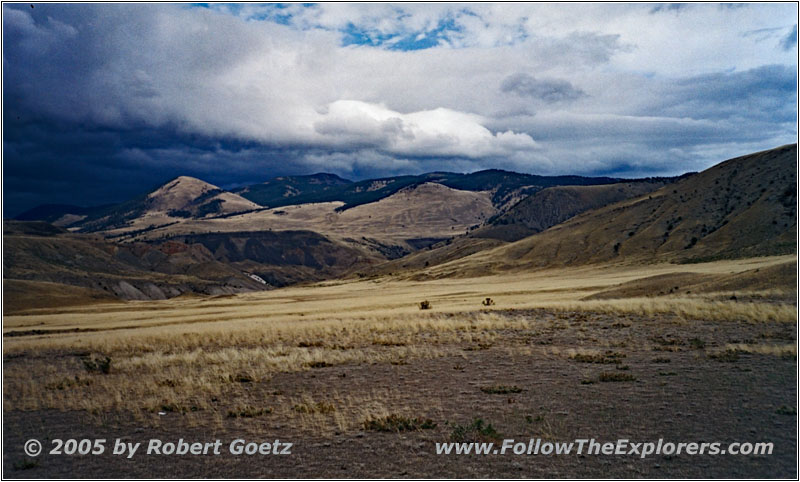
(655, 309)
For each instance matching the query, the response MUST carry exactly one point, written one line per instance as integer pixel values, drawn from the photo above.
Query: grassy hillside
(39, 258)
(43, 268)
(410, 219)
(283, 257)
(533, 214)
(739, 208)
(555, 205)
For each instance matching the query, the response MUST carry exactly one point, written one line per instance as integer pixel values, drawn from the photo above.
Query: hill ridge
(745, 206)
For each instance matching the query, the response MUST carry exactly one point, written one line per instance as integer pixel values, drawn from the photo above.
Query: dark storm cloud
(105, 101)
(69, 163)
(547, 90)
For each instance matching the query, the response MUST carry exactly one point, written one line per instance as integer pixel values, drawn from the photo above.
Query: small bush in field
(97, 364)
(616, 377)
(398, 423)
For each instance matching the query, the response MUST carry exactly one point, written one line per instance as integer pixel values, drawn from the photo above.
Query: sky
(102, 102)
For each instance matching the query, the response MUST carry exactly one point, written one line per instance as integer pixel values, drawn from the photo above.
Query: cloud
(767, 93)
(439, 132)
(106, 100)
(547, 90)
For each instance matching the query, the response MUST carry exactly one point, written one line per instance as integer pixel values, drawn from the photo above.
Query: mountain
(191, 197)
(181, 198)
(41, 258)
(412, 218)
(188, 236)
(186, 198)
(506, 187)
(531, 215)
(739, 208)
(509, 187)
(287, 190)
(304, 189)
(554, 205)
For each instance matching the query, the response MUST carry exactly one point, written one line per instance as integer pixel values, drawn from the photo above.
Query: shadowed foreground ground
(689, 386)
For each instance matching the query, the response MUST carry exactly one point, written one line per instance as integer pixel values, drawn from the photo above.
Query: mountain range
(188, 236)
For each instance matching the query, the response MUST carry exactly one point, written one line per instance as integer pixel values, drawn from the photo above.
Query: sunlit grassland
(384, 297)
(203, 354)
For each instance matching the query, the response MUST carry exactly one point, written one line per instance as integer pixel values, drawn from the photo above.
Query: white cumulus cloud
(436, 132)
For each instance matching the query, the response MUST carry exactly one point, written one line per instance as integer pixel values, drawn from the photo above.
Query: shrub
(616, 377)
(248, 412)
(97, 364)
(241, 378)
(309, 344)
(69, 383)
(172, 407)
(398, 423)
(487, 302)
(425, 305)
(478, 346)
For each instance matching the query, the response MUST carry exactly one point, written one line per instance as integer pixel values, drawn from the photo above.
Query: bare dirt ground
(690, 380)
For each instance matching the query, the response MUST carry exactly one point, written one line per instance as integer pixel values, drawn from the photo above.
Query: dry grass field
(335, 366)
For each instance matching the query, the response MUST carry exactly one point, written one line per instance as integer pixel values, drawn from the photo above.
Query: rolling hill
(40, 258)
(554, 205)
(533, 214)
(739, 208)
(506, 187)
(188, 236)
(181, 198)
(411, 218)
(185, 200)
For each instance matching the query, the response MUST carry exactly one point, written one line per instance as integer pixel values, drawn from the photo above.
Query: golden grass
(331, 334)
(201, 356)
(688, 308)
(168, 369)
